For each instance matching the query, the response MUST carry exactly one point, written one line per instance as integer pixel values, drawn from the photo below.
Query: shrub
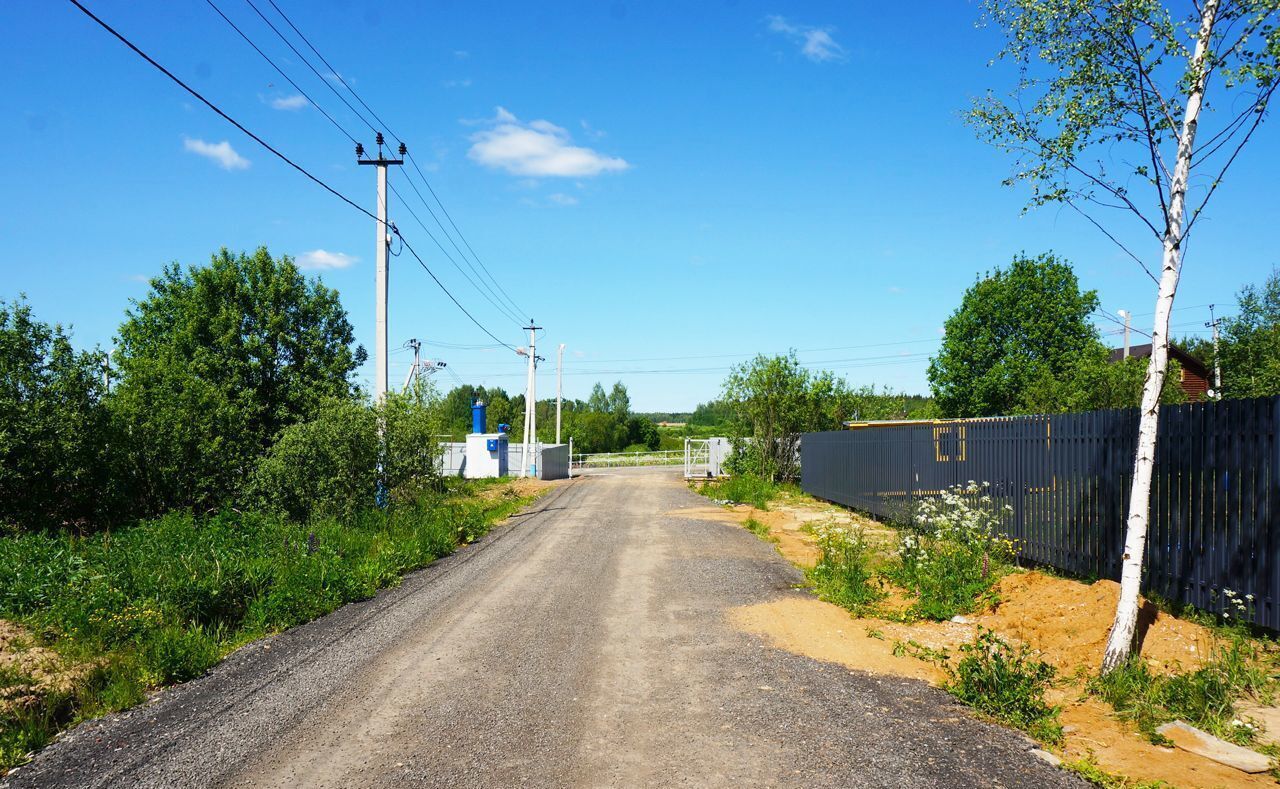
(325, 467)
(1007, 684)
(954, 554)
(842, 575)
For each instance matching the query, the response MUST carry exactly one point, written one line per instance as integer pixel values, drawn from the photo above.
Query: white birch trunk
(1120, 642)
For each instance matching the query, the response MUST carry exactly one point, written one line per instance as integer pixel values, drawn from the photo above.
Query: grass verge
(162, 601)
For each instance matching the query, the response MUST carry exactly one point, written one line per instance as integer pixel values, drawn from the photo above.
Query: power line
(332, 70)
(279, 155)
(338, 76)
(513, 309)
(224, 115)
(505, 311)
(308, 64)
(418, 257)
(281, 72)
(457, 230)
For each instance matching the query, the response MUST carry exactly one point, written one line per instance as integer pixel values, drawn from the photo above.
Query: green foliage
(1094, 382)
(1008, 684)
(1012, 329)
(57, 449)
(216, 362)
(1096, 108)
(774, 400)
(165, 599)
(954, 553)
(843, 574)
(1250, 345)
(326, 466)
(744, 489)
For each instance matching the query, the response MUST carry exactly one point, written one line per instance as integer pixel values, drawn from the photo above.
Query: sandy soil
(28, 672)
(1065, 621)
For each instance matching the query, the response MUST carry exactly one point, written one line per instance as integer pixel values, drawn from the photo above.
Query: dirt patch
(1069, 621)
(810, 627)
(29, 672)
(520, 486)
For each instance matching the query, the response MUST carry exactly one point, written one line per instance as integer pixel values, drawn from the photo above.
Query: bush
(1007, 684)
(842, 575)
(325, 467)
(954, 553)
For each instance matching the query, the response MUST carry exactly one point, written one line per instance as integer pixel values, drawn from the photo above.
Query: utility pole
(1128, 317)
(1217, 365)
(416, 369)
(529, 394)
(559, 367)
(383, 250)
(106, 371)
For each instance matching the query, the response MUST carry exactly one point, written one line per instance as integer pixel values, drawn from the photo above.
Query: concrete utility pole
(416, 369)
(1217, 365)
(383, 250)
(1128, 317)
(559, 367)
(529, 395)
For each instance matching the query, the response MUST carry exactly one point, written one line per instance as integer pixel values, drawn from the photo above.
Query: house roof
(1189, 363)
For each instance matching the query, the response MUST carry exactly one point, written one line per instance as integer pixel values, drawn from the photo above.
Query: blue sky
(668, 188)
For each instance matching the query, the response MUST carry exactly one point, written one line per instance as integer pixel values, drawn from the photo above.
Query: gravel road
(583, 643)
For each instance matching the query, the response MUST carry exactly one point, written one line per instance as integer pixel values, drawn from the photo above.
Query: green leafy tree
(599, 400)
(644, 432)
(774, 400)
(1250, 343)
(56, 438)
(1111, 109)
(620, 401)
(216, 361)
(1012, 328)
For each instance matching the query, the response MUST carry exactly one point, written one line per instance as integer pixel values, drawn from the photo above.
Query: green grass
(1008, 684)
(1089, 770)
(744, 489)
(1205, 698)
(758, 529)
(164, 600)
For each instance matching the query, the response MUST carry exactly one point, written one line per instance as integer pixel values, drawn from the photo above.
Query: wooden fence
(1214, 496)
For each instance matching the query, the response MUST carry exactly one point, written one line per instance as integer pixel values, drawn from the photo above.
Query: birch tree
(1137, 108)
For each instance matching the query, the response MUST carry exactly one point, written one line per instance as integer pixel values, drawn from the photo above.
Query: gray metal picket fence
(1214, 500)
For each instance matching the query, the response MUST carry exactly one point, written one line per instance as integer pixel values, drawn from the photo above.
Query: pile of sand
(1068, 622)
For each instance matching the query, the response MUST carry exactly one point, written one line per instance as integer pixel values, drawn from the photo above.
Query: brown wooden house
(1196, 379)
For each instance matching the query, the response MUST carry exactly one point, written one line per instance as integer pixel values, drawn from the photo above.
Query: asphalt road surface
(584, 643)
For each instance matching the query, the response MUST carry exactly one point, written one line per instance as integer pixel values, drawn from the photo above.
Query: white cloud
(538, 148)
(220, 152)
(319, 259)
(816, 43)
(289, 102)
(457, 83)
(560, 198)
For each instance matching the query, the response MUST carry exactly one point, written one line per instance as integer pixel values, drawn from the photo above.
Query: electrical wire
(282, 73)
(506, 312)
(426, 181)
(308, 64)
(119, 36)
